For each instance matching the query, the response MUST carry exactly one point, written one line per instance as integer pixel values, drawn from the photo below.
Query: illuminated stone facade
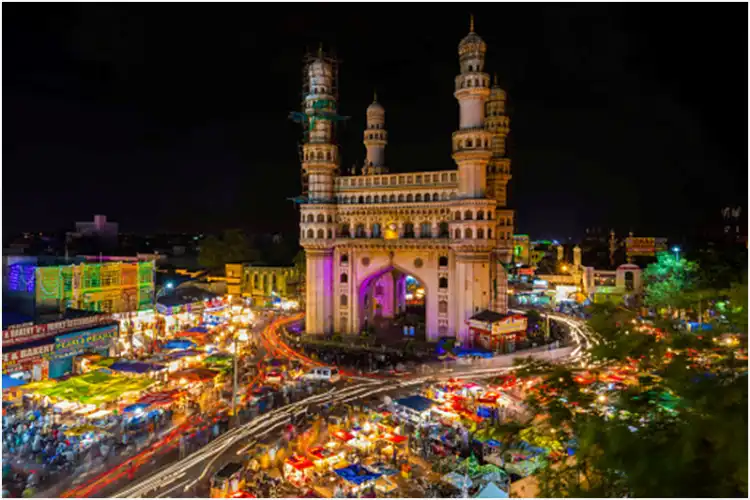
(451, 230)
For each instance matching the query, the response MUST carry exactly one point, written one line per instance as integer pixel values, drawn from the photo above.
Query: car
(323, 373)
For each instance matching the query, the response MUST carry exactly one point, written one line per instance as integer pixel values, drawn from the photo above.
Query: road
(182, 478)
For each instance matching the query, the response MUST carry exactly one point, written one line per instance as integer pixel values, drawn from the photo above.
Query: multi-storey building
(451, 230)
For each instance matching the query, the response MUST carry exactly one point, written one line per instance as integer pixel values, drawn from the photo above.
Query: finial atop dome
(374, 96)
(494, 81)
(320, 50)
(471, 23)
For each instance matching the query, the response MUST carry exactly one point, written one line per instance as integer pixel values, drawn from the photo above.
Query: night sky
(173, 117)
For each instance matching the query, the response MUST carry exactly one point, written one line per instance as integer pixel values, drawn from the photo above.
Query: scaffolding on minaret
(322, 110)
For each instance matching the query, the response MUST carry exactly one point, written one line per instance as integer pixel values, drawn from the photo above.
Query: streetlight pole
(234, 383)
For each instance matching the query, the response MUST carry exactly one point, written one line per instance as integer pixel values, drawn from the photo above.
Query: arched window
(310, 233)
(376, 230)
(443, 283)
(400, 198)
(435, 197)
(330, 219)
(443, 261)
(345, 233)
(368, 199)
(310, 218)
(468, 215)
(443, 231)
(489, 215)
(361, 199)
(273, 282)
(376, 199)
(457, 216)
(418, 197)
(480, 234)
(457, 234)
(489, 234)
(256, 281)
(321, 218)
(344, 258)
(344, 278)
(265, 282)
(321, 234)
(425, 230)
(320, 155)
(501, 222)
(329, 234)
(392, 199)
(359, 232)
(480, 215)
(443, 306)
(328, 155)
(409, 198)
(344, 300)
(427, 197)
(468, 234)
(408, 230)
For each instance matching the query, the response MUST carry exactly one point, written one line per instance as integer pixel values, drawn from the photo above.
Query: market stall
(298, 470)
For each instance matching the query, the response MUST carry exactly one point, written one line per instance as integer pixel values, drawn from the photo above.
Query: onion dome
(472, 43)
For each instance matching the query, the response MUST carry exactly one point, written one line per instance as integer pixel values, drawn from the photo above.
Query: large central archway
(391, 299)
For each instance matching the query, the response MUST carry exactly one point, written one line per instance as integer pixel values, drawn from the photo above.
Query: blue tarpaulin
(416, 403)
(198, 329)
(357, 474)
(10, 382)
(135, 367)
(135, 407)
(179, 344)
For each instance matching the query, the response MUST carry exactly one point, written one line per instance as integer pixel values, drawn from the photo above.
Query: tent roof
(357, 474)
(491, 491)
(10, 382)
(416, 403)
(135, 367)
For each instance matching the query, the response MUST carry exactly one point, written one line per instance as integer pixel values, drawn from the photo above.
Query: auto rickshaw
(229, 481)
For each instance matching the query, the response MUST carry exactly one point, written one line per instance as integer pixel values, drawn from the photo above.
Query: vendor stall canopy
(357, 474)
(10, 382)
(95, 387)
(135, 367)
(491, 491)
(416, 403)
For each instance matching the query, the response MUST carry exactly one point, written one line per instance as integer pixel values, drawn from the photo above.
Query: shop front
(97, 340)
(29, 362)
(498, 332)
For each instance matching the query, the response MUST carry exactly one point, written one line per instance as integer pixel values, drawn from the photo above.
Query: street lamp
(676, 251)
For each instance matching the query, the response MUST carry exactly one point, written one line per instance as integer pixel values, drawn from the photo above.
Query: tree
(233, 246)
(668, 280)
(678, 430)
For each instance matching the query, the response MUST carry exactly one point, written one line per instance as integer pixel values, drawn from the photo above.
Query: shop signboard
(25, 359)
(27, 332)
(644, 247)
(79, 342)
(511, 324)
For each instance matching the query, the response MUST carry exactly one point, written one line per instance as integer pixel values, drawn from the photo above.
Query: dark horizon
(620, 116)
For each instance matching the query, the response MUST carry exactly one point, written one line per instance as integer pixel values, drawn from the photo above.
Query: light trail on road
(364, 386)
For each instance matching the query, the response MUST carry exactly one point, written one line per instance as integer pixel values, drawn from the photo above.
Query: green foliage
(679, 431)
(232, 247)
(668, 279)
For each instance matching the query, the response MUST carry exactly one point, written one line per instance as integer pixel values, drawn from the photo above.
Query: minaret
(472, 143)
(498, 123)
(376, 139)
(320, 162)
(472, 229)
